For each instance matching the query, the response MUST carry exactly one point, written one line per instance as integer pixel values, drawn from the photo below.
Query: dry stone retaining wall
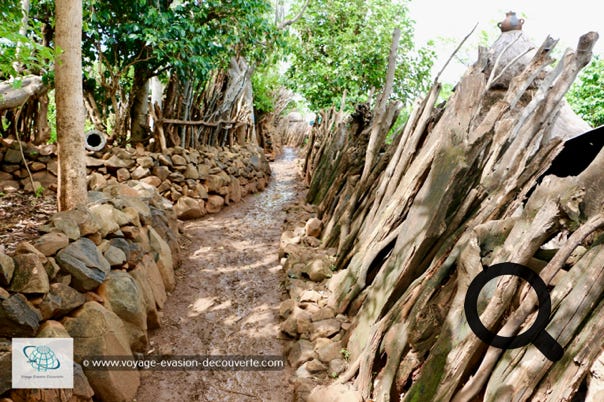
(102, 273)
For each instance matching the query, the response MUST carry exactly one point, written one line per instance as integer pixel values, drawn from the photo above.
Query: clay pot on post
(511, 22)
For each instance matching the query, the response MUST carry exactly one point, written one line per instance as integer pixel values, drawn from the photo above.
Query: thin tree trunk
(70, 105)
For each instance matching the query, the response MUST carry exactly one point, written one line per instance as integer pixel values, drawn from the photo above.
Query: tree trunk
(70, 105)
(140, 107)
(42, 128)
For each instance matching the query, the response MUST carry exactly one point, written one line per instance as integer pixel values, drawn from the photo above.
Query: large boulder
(214, 204)
(18, 317)
(125, 298)
(100, 332)
(50, 243)
(189, 208)
(335, 393)
(85, 263)
(60, 300)
(143, 281)
(30, 275)
(5, 366)
(163, 258)
(7, 269)
(149, 269)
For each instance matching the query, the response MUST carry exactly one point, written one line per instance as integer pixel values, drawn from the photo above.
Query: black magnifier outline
(536, 334)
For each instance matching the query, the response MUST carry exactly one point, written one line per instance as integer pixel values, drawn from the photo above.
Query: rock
(318, 270)
(6, 380)
(337, 367)
(302, 372)
(297, 323)
(85, 263)
(151, 272)
(50, 243)
(313, 227)
(9, 186)
(310, 296)
(191, 172)
(335, 393)
(164, 160)
(235, 190)
(325, 328)
(12, 156)
(96, 181)
(74, 223)
(114, 256)
(125, 298)
(145, 162)
(153, 316)
(52, 268)
(30, 275)
(123, 203)
(302, 388)
(301, 352)
(315, 366)
(162, 172)
(18, 317)
(132, 251)
(52, 329)
(204, 171)
(26, 247)
(189, 208)
(140, 172)
(215, 182)
(105, 216)
(286, 308)
(100, 332)
(163, 258)
(178, 160)
(328, 350)
(115, 162)
(60, 300)
(324, 314)
(122, 174)
(214, 204)
(311, 241)
(7, 268)
(109, 218)
(139, 235)
(152, 180)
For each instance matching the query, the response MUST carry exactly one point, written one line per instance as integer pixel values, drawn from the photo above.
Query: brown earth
(226, 300)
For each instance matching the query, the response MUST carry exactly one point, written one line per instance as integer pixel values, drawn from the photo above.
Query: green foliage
(52, 117)
(586, 96)
(189, 38)
(26, 50)
(343, 46)
(265, 82)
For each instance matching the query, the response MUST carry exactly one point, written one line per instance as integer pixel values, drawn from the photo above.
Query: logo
(536, 334)
(42, 358)
(42, 363)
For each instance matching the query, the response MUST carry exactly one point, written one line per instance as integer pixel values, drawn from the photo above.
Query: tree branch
(287, 23)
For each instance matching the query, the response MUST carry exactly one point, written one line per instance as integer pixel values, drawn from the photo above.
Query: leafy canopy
(190, 38)
(22, 50)
(343, 45)
(586, 96)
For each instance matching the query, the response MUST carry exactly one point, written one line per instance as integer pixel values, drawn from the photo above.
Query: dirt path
(226, 300)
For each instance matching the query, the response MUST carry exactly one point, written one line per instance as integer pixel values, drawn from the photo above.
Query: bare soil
(227, 297)
(20, 216)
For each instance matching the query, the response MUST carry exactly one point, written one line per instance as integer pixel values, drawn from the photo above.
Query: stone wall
(102, 273)
(318, 334)
(197, 181)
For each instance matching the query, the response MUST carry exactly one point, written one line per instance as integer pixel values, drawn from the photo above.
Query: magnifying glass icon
(536, 334)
